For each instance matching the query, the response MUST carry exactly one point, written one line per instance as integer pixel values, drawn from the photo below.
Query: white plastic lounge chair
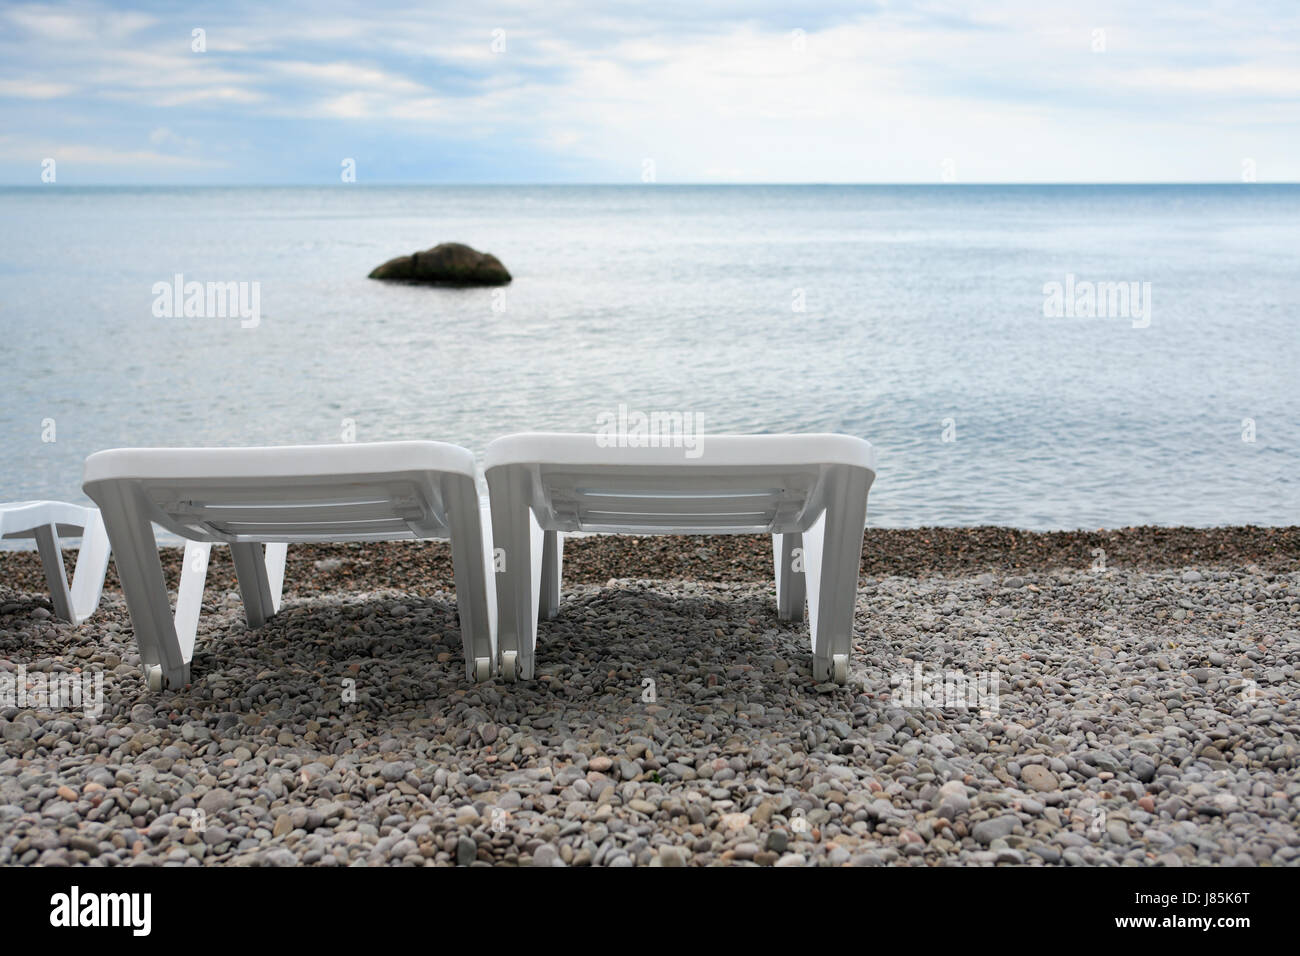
(45, 521)
(247, 497)
(808, 491)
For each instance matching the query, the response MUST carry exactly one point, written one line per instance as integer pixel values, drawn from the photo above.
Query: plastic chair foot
(840, 668)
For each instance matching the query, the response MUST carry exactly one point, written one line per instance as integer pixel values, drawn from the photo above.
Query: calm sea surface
(905, 315)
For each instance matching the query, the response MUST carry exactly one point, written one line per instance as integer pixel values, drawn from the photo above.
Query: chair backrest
(737, 484)
(353, 492)
(20, 519)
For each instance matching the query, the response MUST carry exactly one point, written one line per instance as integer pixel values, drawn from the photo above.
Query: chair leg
(253, 574)
(833, 549)
(516, 534)
(791, 579)
(92, 565)
(469, 558)
(552, 563)
(276, 554)
(47, 543)
(189, 598)
(165, 660)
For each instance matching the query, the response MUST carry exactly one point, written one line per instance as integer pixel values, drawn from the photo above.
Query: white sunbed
(808, 491)
(250, 497)
(46, 521)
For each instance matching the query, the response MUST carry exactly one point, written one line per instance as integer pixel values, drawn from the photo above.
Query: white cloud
(73, 24)
(14, 150)
(1260, 81)
(349, 74)
(216, 94)
(162, 136)
(34, 89)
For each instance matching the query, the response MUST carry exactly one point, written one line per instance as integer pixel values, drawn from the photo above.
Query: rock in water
(448, 263)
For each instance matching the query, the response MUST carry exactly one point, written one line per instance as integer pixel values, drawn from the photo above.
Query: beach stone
(466, 851)
(467, 817)
(216, 801)
(546, 855)
(671, 856)
(1038, 777)
(986, 831)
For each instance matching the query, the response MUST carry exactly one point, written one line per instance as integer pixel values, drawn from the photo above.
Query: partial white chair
(46, 521)
(808, 491)
(250, 497)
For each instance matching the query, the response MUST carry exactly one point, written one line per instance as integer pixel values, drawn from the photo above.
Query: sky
(670, 92)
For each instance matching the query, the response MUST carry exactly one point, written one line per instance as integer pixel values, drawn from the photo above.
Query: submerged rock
(448, 263)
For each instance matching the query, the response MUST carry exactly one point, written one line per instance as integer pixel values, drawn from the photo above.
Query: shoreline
(313, 569)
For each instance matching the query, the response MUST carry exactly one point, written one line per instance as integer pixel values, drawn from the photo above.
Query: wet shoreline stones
(915, 552)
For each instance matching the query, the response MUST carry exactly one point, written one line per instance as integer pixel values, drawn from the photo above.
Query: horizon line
(614, 184)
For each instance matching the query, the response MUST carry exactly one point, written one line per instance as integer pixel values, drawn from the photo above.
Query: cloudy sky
(1016, 91)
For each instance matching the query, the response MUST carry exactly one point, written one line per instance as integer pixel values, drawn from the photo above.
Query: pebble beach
(1140, 710)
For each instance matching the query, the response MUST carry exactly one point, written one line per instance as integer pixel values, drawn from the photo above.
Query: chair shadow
(602, 641)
